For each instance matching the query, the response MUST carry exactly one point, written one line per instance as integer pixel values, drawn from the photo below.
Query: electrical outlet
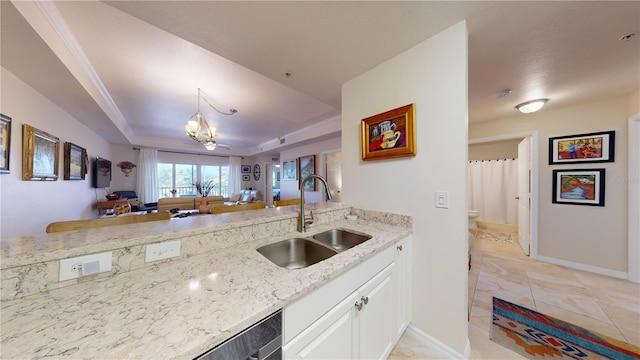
(91, 264)
(161, 251)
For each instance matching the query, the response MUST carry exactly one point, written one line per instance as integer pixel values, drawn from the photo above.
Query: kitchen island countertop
(175, 309)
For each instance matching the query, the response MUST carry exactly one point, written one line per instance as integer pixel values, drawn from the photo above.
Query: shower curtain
(493, 187)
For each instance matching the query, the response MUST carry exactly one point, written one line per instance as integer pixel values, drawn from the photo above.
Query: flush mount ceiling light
(199, 130)
(531, 106)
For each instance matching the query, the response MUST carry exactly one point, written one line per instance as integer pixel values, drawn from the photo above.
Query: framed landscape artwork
(579, 187)
(40, 154)
(246, 169)
(5, 143)
(582, 148)
(307, 166)
(290, 170)
(74, 162)
(390, 134)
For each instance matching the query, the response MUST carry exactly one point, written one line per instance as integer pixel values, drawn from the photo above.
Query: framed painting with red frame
(390, 134)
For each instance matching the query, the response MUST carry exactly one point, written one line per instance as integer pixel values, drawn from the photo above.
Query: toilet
(473, 230)
(473, 227)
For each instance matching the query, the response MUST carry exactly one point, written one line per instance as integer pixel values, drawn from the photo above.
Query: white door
(376, 318)
(333, 336)
(524, 193)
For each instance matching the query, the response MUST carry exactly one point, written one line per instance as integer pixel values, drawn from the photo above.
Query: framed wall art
(40, 154)
(290, 170)
(5, 143)
(246, 169)
(246, 177)
(579, 187)
(307, 166)
(74, 162)
(582, 148)
(390, 134)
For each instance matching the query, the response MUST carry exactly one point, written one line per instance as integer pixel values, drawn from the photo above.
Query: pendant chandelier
(198, 128)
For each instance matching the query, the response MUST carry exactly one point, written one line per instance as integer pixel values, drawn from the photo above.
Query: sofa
(136, 205)
(187, 203)
(245, 196)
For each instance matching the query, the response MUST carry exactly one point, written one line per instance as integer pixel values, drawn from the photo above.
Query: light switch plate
(161, 251)
(442, 199)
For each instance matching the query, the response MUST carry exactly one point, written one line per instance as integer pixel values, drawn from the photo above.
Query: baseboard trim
(583, 267)
(433, 342)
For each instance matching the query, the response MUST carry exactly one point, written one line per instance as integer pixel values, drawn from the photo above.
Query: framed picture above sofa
(246, 169)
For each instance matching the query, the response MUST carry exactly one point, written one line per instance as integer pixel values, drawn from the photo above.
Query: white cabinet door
(333, 336)
(376, 316)
(402, 286)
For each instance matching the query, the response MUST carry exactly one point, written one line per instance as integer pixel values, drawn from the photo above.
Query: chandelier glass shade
(198, 128)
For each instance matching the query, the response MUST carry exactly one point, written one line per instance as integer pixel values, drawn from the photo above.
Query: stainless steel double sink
(297, 253)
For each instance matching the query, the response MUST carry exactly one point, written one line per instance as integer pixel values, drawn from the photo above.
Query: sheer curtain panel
(235, 178)
(147, 184)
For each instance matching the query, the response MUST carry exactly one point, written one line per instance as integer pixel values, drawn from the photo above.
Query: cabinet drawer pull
(399, 247)
(365, 299)
(359, 306)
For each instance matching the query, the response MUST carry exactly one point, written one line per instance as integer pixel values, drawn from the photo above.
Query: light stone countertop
(175, 309)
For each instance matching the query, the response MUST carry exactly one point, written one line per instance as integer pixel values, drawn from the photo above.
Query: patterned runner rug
(495, 236)
(537, 336)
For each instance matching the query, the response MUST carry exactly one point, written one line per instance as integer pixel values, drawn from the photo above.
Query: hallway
(606, 305)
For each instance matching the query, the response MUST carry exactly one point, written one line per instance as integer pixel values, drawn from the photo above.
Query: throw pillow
(234, 197)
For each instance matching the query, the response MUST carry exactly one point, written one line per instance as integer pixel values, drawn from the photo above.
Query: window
(178, 179)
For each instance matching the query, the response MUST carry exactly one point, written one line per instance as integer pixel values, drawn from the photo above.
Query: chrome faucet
(303, 220)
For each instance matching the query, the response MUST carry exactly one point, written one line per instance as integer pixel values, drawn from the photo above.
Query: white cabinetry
(359, 315)
(359, 327)
(402, 286)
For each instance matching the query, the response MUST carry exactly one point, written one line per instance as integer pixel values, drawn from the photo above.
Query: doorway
(529, 240)
(634, 199)
(333, 173)
(271, 183)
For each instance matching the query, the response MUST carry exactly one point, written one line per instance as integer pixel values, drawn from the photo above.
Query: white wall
(496, 150)
(26, 207)
(433, 75)
(289, 188)
(586, 235)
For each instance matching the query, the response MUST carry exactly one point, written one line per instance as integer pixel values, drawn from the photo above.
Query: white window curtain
(235, 178)
(493, 187)
(147, 183)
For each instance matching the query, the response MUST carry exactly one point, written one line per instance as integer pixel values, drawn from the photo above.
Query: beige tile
(411, 346)
(483, 348)
(632, 336)
(598, 303)
(604, 328)
(572, 297)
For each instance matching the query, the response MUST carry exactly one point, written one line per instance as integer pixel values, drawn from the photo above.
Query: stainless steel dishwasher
(260, 341)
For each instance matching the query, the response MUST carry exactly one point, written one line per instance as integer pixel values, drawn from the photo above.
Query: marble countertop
(176, 309)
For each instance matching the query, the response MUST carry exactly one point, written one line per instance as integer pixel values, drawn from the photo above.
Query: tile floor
(499, 268)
